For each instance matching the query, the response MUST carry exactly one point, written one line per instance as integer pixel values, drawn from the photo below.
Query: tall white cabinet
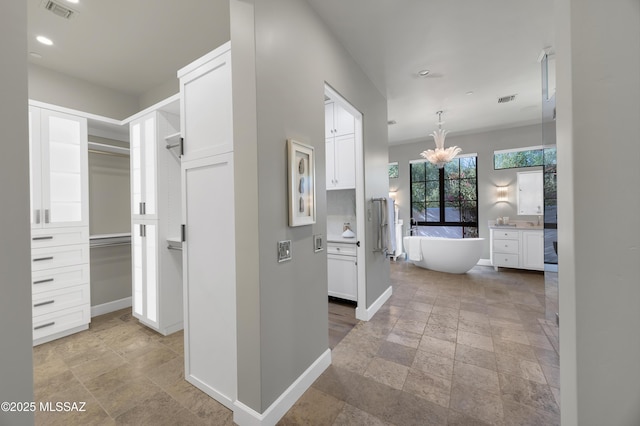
(155, 204)
(340, 147)
(59, 224)
(208, 214)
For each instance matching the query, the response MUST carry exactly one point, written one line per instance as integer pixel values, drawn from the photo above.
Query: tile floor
(473, 349)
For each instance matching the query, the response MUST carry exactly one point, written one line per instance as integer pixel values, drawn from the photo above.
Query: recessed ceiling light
(391, 122)
(35, 55)
(73, 1)
(423, 73)
(470, 92)
(44, 40)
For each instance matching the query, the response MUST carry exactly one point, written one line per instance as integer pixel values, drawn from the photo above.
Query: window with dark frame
(444, 202)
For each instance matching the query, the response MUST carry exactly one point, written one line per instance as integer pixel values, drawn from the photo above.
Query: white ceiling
(489, 47)
(131, 46)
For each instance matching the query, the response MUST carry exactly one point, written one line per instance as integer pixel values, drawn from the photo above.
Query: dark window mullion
(442, 203)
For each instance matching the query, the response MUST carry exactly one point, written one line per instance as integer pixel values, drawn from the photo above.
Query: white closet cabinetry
(59, 224)
(340, 147)
(208, 212)
(155, 200)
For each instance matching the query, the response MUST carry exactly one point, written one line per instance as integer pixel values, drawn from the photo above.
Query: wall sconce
(503, 193)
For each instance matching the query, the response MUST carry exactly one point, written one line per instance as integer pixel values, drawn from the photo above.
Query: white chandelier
(440, 156)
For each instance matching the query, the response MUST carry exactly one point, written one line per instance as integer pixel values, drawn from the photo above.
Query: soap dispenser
(346, 231)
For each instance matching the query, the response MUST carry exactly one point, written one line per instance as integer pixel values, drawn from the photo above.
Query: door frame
(331, 93)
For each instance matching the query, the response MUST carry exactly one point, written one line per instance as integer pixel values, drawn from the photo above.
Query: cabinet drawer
(344, 249)
(506, 260)
(55, 279)
(56, 322)
(505, 235)
(56, 300)
(59, 237)
(57, 257)
(505, 246)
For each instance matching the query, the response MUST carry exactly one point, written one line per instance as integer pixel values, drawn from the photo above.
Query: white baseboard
(105, 308)
(365, 314)
(484, 262)
(246, 416)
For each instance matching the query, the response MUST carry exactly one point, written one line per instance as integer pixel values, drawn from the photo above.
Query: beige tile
(349, 358)
(437, 346)
(474, 316)
(399, 354)
(428, 386)
(446, 311)
(519, 367)
(419, 306)
(475, 340)
(127, 396)
(433, 364)
(387, 372)
(476, 327)
(443, 321)
(510, 335)
(158, 409)
(529, 393)
(475, 356)
(107, 361)
(410, 409)
(539, 340)
(514, 349)
(148, 361)
(411, 326)
(108, 382)
(405, 338)
(472, 375)
(476, 403)
(552, 375)
(352, 416)
(519, 414)
(199, 403)
(168, 373)
(458, 419)
(441, 332)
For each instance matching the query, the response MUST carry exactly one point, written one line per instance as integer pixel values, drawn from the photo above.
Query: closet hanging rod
(175, 145)
(102, 148)
(109, 244)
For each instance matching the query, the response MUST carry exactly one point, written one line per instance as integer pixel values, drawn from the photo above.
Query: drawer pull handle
(42, 238)
(48, 280)
(49, 324)
(48, 302)
(40, 259)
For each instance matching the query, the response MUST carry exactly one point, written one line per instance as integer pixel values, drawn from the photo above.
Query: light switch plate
(318, 243)
(284, 250)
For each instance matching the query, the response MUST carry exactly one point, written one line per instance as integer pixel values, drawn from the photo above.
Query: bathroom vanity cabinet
(517, 248)
(155, 204)
(342, 270)
(59, 224)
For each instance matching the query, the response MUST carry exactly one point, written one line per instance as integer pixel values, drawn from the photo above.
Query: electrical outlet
(318, 243)
(284, 250)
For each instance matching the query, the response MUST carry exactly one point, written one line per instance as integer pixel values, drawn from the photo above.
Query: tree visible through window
(444, 202)
(516, 158)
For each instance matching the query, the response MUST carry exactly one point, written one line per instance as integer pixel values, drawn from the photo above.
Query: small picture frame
(302, 184)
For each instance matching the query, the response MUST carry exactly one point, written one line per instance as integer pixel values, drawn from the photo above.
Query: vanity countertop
(341, 239)
(516, 224)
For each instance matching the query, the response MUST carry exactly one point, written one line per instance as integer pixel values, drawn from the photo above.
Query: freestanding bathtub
(452, 255)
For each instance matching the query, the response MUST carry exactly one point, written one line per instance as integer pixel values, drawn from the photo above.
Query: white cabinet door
(342, 277)
(344, 123)
(144, 154)
(206, 105)
(530, 193)
(345, 162)
(330, 162)
(59, 169)
(209, 275)
(533, 250)
(145, 271)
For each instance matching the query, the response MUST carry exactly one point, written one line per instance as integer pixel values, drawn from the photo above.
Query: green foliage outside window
(517, 159)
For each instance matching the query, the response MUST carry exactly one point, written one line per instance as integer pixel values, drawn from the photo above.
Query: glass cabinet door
(144, 241)
(64, 169)
(35, 166)
(135, 151)
(143, 167)
(149, 190)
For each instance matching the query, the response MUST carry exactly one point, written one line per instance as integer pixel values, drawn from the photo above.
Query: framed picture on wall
(302, 184)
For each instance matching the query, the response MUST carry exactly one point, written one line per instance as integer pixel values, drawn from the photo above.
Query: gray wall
(483, 144)
(16, 365)
(598, 105)
(52, 87)
(279, 94)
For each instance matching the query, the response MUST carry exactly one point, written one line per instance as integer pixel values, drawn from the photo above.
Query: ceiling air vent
(506, 99)
(58, 9)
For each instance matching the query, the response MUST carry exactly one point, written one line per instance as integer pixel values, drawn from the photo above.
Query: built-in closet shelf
(107, 149)
(109, 240)
(174, 244)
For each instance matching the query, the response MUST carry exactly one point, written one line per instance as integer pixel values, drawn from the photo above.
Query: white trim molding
(246, 416)
(113, 306)
(366, 314)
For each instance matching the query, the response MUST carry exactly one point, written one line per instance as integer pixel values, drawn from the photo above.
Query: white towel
(391, 229)
(415, 249)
